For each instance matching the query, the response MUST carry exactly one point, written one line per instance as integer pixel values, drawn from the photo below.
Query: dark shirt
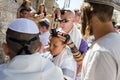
(83, 46)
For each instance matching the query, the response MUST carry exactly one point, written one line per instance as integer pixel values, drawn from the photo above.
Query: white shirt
(102, 61)
(44, 39)
(30, 67)
(67, 63)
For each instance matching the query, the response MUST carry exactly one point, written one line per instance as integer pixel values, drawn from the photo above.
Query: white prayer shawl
(67, 63)
(76, 36)
(44, 39)
(102, 61)
(78, 25)
(30, 67)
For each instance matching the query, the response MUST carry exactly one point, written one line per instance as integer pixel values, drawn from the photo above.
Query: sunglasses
(63, 20)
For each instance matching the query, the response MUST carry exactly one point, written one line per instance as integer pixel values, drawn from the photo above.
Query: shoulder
(68, 57)
(48, 69)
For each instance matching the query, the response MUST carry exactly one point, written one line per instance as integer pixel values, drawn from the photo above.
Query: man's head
(22, 38)
(24, 13)
(43, 25)
(98, 8)
(67, 20)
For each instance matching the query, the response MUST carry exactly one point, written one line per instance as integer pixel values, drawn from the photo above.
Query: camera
(54, 33)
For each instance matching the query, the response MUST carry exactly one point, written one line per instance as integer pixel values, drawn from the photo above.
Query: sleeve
(69, 68)
(83, 46)
(102, 66)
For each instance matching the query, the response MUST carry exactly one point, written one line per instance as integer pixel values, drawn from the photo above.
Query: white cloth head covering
(46, 21)
(70, 10)
(113, 3)
(24, 25)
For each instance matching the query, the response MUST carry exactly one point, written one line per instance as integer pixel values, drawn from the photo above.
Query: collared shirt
(102, 61)
(83, 46)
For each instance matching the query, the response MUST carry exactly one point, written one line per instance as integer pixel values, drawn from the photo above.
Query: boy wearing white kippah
(22, 46)
(43, 26)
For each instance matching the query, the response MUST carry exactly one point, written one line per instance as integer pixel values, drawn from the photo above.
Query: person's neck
(101, 29)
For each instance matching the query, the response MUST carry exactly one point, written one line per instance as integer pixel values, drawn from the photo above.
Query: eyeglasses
(63, 20)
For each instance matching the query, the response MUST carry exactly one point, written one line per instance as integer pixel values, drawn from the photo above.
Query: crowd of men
(66, 45)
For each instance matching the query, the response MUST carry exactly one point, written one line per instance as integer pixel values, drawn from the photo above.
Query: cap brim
(112, 3)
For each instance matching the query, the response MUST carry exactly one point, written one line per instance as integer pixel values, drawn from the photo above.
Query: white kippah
(70, 10)
(24, 25)
(46, 21)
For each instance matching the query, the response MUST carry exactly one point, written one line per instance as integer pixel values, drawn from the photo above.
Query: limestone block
(8, 9)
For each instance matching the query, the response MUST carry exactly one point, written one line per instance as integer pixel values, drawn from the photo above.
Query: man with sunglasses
(102, 60)
(67, 25)
(77, 45)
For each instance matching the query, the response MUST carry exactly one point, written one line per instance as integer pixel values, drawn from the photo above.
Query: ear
(5, 48)
(64, 45)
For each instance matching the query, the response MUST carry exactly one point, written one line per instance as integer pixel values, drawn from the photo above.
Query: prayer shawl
(102, 61)
(76, 36)
(67, 63)
(30, 67)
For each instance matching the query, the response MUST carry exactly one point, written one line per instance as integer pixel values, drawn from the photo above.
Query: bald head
(68, 14)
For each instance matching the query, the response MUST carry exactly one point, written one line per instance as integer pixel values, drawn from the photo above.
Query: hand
(64, 37)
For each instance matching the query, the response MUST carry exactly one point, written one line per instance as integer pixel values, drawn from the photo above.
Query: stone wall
(49, 4)
(35, 3)
(8, 9)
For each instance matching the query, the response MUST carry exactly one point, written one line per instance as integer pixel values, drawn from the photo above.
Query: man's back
(30, 67)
